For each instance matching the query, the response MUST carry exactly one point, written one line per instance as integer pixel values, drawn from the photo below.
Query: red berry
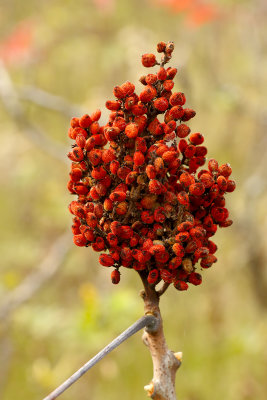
(91, 220)
(180, 285)
(161, 104)
(115, 277)
(188, 114)
(113, 105)
(230, 186)
(195, 278)
(196, 138)
(177, 99)
(197, 189)
(225, 170)
(171, 72)
(153, 276)
(213, 165)
(182, 131)
(131, 130)
(207, 262)
(162, 74)
(118, 92)
(138, 158)
(85, 121)
(79, 240)
(106, 260)
(148, 60)
(148, 94)
(168, 84)
(161, 46)
(155, 186)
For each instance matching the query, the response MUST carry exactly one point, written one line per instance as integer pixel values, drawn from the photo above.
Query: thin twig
(33, 282)
(163, 289)
(49, 101)
(147, 320)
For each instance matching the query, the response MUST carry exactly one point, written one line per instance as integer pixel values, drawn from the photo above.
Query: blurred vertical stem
(165, 362)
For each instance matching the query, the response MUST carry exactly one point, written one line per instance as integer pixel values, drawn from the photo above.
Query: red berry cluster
(141, 200)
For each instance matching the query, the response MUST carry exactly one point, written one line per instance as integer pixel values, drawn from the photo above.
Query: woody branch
(165, 362)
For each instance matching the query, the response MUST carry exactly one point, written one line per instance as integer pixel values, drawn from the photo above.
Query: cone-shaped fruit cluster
(143, 200)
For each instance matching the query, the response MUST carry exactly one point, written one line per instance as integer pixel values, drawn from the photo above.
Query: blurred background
(60, 59)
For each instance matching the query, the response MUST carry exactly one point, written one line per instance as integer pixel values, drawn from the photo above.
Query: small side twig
(163, 289)
(148, 321)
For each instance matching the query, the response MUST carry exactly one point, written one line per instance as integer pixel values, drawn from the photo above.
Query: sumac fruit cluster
(144, 200)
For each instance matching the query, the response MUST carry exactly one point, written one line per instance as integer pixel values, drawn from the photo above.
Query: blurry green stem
(148, 321)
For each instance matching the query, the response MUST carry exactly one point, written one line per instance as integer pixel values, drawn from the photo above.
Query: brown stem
(163, 289)
(165, 362)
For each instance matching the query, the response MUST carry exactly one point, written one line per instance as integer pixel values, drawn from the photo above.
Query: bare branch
(33, 282)
(6, 353)
(11, 101)
(165, 362)
(147, 320)
(163, 289)
(49, 101)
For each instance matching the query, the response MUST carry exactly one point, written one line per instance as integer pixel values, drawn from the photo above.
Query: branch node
(178, 355)
(154, 323)
(149, 389)
(163, 289)
(142, 294)
(145, 339)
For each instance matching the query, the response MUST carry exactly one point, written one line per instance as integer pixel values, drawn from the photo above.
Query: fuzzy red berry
(148, 60)
(162, 74)
(195, 278)
(168, 84)
(207, 262)
(106, 260)
(113, 105)
(177, 99)
(115, 277)
(131, 130)
(182, 131)
(148, 94)
(225, 170)
(188, 114)
(180, 285)
(79, 240)
(196, 138)
(197, 189)
(213, 165)
(161, 46)
(138, 158)
(153, 276)
(161, 104)
(230, 185)
(155, 186)
(151, 79)
(171, 72)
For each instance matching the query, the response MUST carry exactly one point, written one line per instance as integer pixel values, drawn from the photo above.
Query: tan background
(57, 305)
